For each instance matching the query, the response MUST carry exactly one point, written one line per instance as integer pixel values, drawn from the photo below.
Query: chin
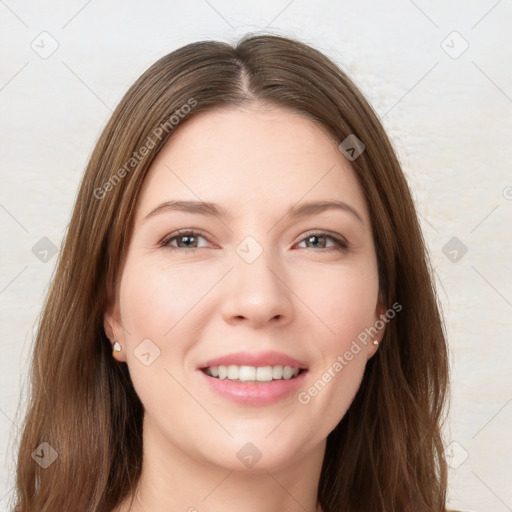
(255, 452)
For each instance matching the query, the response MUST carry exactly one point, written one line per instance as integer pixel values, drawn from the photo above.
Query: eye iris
(317, 237)
(185, 237)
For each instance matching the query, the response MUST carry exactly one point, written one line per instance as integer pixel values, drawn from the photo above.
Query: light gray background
(447, 112)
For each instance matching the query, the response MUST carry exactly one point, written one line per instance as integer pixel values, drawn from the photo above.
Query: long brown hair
(386, 454)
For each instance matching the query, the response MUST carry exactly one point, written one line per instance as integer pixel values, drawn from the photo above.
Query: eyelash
(342, 245)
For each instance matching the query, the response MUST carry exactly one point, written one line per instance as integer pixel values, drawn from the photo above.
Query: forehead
(256, 157)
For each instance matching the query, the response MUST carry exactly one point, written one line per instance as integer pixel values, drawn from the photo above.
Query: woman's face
(255, 286)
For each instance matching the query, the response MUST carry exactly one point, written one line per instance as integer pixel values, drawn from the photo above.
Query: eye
(187, 237)
(314, 237)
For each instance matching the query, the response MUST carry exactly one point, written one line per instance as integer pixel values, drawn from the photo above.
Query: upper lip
(269, 358)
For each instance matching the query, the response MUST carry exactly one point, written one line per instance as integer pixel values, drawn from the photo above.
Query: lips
(269, 358)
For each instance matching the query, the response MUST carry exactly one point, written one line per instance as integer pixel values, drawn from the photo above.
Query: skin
(299, 296)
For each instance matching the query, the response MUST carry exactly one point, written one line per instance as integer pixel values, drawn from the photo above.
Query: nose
(257, 294)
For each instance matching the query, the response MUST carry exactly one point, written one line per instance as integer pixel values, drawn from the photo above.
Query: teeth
(277, 372)
(246, 373)
(287, 372)
(223, 372)
(252, 373)
(233, 372)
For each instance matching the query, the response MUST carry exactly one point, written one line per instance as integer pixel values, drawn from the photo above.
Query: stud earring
(375, 342)
(116, 347)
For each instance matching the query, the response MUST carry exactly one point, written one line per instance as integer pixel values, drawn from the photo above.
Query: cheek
(156, 297)
(330, 393)
(154, 302)
(346, 306)
(345, 301)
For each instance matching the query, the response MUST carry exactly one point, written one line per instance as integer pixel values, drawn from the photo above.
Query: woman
(245, 241)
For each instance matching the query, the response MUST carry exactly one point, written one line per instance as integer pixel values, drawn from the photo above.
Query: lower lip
(255, 393)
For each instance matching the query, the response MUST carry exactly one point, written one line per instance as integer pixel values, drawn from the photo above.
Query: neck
(172, 480)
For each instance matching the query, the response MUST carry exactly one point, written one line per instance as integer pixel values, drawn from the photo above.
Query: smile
(252, 373)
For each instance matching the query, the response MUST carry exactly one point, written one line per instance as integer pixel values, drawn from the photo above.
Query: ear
(379, 324)
(114, 330)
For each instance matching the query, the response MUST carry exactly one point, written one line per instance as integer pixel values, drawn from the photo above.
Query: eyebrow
(215, 210)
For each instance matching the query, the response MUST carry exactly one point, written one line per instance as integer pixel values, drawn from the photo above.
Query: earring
(116, 347)
(375, 342)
